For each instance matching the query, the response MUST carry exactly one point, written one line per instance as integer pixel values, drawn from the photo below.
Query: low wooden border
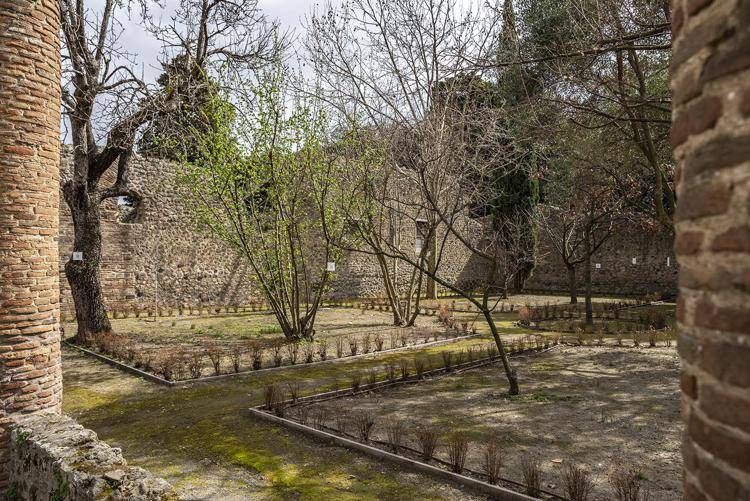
(159, 380)
(496, 492)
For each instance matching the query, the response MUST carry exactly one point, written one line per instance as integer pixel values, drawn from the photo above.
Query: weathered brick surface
(711, 69)
(30, 372)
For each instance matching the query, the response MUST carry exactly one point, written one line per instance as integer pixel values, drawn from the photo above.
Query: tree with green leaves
(264, 183)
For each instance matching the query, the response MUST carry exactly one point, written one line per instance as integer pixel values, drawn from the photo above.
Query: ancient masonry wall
(156, 257)
(30, 371)
(711, 136)
(632, 261)
(53, 457)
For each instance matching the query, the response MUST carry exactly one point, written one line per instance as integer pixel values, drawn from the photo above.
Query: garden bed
(277, 406)
(609, 411)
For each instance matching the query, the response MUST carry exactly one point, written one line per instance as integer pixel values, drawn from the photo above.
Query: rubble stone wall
(53, 457)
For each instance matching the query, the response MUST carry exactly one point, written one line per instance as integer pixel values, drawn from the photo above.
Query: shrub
(292, 350)
(427, 436)
(195, 364)
(372, 377)
(273, 398)
(492, 461)
(395, 434)
(652, 338)
(319, 416)
(322, 349)
(235, 355)
(378, 342)
(577, 483)
(403, 338)
(167, 364)
(532, 475)
(393, 338)
(339, 347)
(626, 484)
(391, 371)
(308, 352)
(404, 367)
(293, 391)
(458, 448)
(215, 355)
(636, 339)
(356, 380)
(256, 356)
(366, 342)
(419, 365)
(447, 359)
(364, 422)
(353, 345)
(276, 355)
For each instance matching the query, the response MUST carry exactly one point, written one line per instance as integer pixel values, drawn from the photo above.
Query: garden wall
(153, 255)
(654, 270)
(53, 457)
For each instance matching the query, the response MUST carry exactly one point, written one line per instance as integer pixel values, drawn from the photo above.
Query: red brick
(688, 242)
(695, 118)
(695, 6)
(732, 240)
(729, 448)
(720, 153)
(703, 199)
(724, 407)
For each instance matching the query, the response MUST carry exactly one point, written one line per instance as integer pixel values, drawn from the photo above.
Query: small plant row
(277, 399)
(529, 313)
(425, 441)
(650, 337)
(137, 311)
(209, 358)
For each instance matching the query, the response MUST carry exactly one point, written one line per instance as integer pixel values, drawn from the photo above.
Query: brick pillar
(711, 137)
(30, 372)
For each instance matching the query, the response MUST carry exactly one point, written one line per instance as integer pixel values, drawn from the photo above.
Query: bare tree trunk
(587, 277)
(510, 372)
(84, 276)
(572, 283)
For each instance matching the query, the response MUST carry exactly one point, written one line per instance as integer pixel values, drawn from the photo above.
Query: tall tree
(105, 100)
(266, 185)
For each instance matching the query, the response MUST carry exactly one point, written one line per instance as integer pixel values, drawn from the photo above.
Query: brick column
(711, 137)
(30, 372)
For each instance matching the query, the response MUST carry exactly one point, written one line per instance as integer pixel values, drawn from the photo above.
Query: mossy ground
(201, 438)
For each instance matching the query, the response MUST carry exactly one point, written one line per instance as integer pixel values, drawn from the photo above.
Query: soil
(596, 407)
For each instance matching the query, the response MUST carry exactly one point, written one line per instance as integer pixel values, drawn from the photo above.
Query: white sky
(289, 13)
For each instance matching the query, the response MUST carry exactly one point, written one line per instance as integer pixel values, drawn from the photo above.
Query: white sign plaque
(669, 262)
(598, 266)
(331, 266)
(78, 256)
(635, 260)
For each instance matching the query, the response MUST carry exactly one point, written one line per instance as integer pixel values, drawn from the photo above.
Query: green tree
(258, 183)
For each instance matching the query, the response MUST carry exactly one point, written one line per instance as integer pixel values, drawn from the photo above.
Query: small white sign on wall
(598, 266)
(331, 266)
(669, 262)
(78, 256)
(634, 260)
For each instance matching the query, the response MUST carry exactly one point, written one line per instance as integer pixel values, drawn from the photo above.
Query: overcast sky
(289, 13)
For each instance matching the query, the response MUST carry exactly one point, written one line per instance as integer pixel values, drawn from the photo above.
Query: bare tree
(105, 99)
(400, 67)
(582, 209)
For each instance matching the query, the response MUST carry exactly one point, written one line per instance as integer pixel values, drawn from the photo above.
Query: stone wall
(654, 270)
(53, 457)
(711, 137)
(30, 370)
(155, 256)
